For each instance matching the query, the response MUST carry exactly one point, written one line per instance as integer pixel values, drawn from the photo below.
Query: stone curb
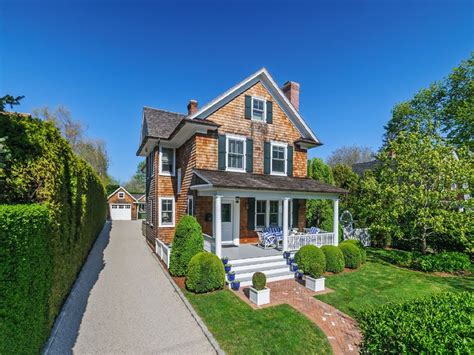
(188, 305)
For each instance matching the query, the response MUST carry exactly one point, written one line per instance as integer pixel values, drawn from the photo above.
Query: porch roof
(233, 180)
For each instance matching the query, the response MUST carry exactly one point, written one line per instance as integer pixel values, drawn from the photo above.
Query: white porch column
(336, 221)
(218, 224)
(285, 223)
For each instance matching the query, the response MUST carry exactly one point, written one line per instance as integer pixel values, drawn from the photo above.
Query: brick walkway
(341, 330)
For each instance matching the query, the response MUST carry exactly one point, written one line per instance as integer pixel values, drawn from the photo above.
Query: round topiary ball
(205, 273)
(358, 244)
(351, 255)
(334, 258)
(308, 255)
(259, 280)
(316, 269)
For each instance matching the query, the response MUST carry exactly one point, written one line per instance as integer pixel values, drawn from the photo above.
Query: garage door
(120, 211)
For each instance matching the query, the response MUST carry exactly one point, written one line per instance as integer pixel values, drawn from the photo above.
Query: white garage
(121, 211)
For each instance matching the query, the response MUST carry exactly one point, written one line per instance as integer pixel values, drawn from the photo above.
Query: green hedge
(205, 273)
(187, 242)
(358, 244)
(25, 278)
(351, 255)
(334, 258)
(42, 168)
(308, 255)
(440, 324)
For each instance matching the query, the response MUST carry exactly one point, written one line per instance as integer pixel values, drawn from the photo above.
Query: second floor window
(278, 159)
(167, 161)
(236, 153)
(258, 109)
(121, 195)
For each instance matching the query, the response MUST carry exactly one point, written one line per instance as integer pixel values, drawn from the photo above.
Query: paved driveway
(123, 303)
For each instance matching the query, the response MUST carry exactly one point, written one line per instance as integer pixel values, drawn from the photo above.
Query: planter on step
(235, 285)
(286, 254)
(299, 275)
(294, 267)
(315, 284)
(231, 276)
(290, 261)
(225, 260)
(259, 297)
(227, 267)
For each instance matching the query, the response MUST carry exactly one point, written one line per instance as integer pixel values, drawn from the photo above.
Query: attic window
(258, 109)
(121, 195)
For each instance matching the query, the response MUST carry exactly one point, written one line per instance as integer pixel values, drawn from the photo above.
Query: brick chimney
(292, 92)
(192, 107)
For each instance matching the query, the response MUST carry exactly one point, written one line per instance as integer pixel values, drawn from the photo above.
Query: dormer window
(121, 195)
(258, 109)
(167, 161)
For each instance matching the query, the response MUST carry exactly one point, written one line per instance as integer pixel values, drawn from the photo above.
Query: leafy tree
(319, 212)
(137, 182)
(345, 178)
(350, 155)
(9, 100)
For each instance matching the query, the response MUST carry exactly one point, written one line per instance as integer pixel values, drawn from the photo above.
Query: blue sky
(106, 60)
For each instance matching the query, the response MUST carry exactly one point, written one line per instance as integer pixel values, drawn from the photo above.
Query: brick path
(340, 329)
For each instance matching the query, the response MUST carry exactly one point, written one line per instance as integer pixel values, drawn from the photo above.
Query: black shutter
(248, 107)
(249, 153)
(266, 157)
(289, 169)
(251, 213)
(296, 206)
(221, 155)
(269, 112)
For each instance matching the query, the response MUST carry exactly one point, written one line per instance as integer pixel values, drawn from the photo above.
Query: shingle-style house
(125, 206)
(239, 165)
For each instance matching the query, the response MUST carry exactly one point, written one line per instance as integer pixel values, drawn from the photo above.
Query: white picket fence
(163, 251)
(296, 241)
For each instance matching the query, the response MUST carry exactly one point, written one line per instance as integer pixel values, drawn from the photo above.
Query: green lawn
(377, 283)
(240, 329)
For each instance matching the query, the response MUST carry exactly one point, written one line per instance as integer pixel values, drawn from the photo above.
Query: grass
(377, 283)
(240, 329)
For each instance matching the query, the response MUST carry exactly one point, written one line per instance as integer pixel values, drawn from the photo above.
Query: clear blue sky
(106, 60)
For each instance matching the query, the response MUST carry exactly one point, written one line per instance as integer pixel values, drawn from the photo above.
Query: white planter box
(260, 297)
(315, 284)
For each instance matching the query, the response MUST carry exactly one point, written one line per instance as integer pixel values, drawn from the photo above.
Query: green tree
(137, 182)
(319, 212)
(10, 101)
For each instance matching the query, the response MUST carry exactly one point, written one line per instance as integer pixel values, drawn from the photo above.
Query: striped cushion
(314, 230)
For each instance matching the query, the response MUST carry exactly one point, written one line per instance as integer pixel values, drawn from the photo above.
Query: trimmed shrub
(205, 273)
(316, 269)
(334, 258)
(351, 255)
(187, 242)
(442, 262)
(42, 168)
(25, 278)
(259, 280)
(358, 244)
(308, 255)
(439, 324)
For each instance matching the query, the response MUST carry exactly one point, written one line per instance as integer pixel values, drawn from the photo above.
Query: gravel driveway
(123, 303)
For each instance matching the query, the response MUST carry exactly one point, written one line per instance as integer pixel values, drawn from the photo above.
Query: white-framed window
(190, 210)
(166, 212)
(178, 172)
(236, 150)
(167, 161)
(268, 213)
(259, 109)
(121, 195)
(260, 213)
(278, 159)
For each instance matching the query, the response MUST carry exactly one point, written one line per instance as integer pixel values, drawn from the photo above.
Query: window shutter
(251, 213)
(269, 112)
(221, 155)
(296, 206)
(249, 153)
(289, 169)
(248, 107)
(266, 157)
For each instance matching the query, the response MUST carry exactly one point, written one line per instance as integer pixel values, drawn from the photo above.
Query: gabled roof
(361, 168)
(124, 190)
(265, 78)
(138, 196)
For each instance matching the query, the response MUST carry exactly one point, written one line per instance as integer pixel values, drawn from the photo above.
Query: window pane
(261, 206)
(166, 217)
(167, 159)
(273, 206)
(273, 219)
(261, 220)
(278, 165)
(258, 115)
(226, 212)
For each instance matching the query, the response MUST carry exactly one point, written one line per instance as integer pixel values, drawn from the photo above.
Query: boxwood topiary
(316, 269)
(308, 255)
(351, 255)
(187, 242)
(259, 280)
(334, 258)
(205, 273)
(358, 244)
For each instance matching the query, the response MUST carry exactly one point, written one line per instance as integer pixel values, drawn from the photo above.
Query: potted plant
(290, 261)
(286, 254)
(227, 267)
(231, 276)
(225, 260)
(294, 267)
(314, 281)
(299, 275)
(235, 285)
(259, 294)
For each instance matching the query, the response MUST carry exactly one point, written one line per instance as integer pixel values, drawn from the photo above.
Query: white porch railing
(209, 243)
(296, 241)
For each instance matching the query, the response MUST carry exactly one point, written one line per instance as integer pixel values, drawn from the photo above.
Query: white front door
(227, 214)
(121, 211)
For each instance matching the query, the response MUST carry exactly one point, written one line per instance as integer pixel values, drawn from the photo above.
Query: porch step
(268, 271)
(259, 264)
(247, 281)
(258, 260)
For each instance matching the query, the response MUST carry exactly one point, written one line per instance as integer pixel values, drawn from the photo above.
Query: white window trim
(190, 198)
(264, 118)
(278, 144)
(267, 214)
(166, 173)
(121, 195)
(179, 180)
(244, 160)
(160, 224)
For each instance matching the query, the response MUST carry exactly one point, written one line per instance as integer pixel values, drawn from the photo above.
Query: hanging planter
(227, 267)
(231, 276)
